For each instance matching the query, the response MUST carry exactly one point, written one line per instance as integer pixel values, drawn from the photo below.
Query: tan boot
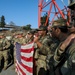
(4, 68)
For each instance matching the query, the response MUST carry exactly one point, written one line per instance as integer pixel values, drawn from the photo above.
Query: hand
(67, 41)
(3, 47)
(36, 39)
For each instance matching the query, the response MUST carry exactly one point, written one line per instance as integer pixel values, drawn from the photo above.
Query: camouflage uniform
(4, 50)
(68, 67)
(41, 62)
(20, 40)
(65, 60)
(29, 39)
(11, 51)
(42, 53)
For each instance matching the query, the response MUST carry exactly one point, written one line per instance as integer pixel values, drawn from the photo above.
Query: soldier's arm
(45, 48)
(73, 60)
(72, 54)
(1, 48)
(66, 43)
(58, 53)
(62, 47)
(40, 45)
(7, 44)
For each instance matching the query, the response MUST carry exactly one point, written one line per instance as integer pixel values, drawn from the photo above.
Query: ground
(9, 71)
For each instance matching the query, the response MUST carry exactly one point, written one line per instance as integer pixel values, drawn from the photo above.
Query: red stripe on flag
(30, 59)
(27, 68)
(20, 70)
(27, 50)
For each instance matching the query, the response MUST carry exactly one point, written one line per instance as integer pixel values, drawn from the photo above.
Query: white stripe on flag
(29, 64)
(25, 52)
(28, 46)
(24, 70)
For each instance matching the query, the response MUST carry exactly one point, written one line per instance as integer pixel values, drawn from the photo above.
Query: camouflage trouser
(4, 54)
(1, 56)
(14, 55)
(40, 64)
(69, 71)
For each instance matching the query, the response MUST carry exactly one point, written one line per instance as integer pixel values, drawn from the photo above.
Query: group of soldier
(54, 50)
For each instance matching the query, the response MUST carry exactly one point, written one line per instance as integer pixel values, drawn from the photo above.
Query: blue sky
(22, 12)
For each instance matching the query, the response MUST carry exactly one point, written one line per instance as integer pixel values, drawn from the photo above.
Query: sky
(23, 12)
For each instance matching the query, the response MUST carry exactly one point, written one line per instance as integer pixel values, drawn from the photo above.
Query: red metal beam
(41, 8)
(58, 9)
(48, 14)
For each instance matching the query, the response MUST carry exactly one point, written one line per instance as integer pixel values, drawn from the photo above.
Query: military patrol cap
(59, 23)
(42, 27)
(19, 32)
(2, 34)
(30, 32)
(35, 30)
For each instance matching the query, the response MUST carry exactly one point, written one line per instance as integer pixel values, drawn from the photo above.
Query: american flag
(24, 59)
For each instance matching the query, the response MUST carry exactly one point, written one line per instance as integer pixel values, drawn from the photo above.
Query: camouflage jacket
(21, 40)
(4, 43)
(49, 45)
(28, 40)
(47, 48)
(66, 59)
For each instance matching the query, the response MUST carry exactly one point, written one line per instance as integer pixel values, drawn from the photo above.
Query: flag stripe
(24, 59)
(28, 46)
(27, 59)
(29, 64)
(27, 54)
(23, 70)
(27, 68)
(20, 71)
(27, 50)
(17, 70)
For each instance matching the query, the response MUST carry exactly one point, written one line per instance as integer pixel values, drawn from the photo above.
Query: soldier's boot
(4, 68)
(0, 66)
(13, 68)
(5, 65)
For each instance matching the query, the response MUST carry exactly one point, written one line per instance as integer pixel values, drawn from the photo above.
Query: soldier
(40, 59)
(43, 42)
(20, 39)
(13, 42)
(4, 50)
(29, 36)
(64, 57)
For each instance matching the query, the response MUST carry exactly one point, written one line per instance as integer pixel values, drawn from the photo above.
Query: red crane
(53, 10)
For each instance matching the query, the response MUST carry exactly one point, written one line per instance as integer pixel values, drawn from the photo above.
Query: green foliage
(27, 27)
(43, 20)
(2, 23)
